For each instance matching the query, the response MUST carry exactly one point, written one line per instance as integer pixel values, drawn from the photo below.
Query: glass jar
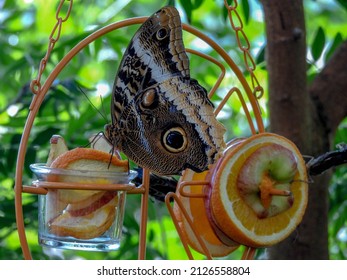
(71, 217)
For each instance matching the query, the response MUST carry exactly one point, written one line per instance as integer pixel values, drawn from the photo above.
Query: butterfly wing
(146, 63)
(161, 118)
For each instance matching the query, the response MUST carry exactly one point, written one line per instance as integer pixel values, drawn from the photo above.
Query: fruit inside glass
(78, 219)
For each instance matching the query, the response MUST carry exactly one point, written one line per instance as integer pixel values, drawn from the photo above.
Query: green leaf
(30, 157)
(197, 3)
(337, 41)
(261, 55)
(44, 136)
(246, 10)
(11, 159)
(225, 13)
(188, 8)
(171, 3)
(318, 44)
(343, 3)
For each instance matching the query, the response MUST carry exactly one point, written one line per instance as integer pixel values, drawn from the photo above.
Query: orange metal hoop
(246, 96)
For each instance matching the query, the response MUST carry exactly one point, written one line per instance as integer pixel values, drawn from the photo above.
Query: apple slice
(270, 168)
(95, 202)
(58, 147)
(87, 226)
(54, 206)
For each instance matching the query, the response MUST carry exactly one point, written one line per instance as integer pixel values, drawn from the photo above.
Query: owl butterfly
(161, 118)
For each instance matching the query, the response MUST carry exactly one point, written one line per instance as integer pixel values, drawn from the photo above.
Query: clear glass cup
(78, 219)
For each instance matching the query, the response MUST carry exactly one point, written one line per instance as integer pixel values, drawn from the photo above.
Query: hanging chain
(235, 21)
(35, 85)
(244, 46)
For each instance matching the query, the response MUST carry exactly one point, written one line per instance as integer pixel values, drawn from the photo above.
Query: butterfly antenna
(103, 108)
(95, 139)
(102, 114)
(111, 152)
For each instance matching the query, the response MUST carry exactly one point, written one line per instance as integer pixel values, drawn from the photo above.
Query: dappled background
(24, 30)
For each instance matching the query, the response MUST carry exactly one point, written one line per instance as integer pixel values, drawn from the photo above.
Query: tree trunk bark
(302, 115)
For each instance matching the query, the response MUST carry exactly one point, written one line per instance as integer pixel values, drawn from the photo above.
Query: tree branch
(329, 90)
(328, 160)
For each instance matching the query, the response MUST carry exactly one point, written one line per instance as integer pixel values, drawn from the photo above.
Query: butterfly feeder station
(249, 192)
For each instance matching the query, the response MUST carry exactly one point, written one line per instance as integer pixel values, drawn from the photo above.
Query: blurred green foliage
(24, 30)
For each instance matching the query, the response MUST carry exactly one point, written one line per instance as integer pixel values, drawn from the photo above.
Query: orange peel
(194, 200)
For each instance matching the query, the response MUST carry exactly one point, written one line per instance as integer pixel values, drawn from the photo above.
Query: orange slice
(263, 214)
(196, 210)
(89, 160)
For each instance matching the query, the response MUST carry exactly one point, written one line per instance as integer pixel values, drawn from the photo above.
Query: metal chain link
(35, 84)
(244, 45)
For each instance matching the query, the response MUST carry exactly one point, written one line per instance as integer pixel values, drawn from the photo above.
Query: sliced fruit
(196, 210)
(95, 202)
(83, 214)
(87, 202)
(58, 147)
(266, 174)
(77, 196)
(99, 142)
(54, 206)
(260, 190)
(88, 160)
(87, 226)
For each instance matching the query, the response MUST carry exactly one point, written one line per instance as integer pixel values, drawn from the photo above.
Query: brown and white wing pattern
(161, 118)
